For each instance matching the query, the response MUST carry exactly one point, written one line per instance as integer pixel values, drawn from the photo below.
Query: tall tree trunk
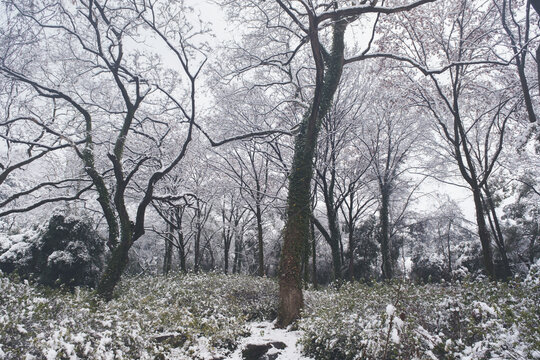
(386, 246)
(351, 251)
(313, 256)
(496, 231)
(298, 200)
(448, 248)
(483, 233)
(182, 251)
(226, 266)
(305, 262)
(520, 55)
(260, 242)
(115, 268)
(237, 254)
(538, 63)
(197, 252)
(197, 247)
(336, 244)
(526, 91)
(167, 259)
(235, 259)
(536, 5)
(240, 259)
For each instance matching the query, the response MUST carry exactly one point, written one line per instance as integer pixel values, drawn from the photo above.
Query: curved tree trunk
(298, 200)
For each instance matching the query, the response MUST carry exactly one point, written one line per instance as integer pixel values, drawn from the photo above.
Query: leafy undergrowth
(477, 320)
(205, 316)
(151, 317)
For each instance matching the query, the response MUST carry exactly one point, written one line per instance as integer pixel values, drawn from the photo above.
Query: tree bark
(182, 251)
(298, 201)
(167, 259)
(258, 215)
(114, 270)
(497, 232)
(351, 251)
(483, 233)
(386, 246)
(226, 266)
(536, 5)
(313, 256)
(305, 262)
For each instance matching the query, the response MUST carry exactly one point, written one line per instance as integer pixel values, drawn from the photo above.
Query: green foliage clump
(65, 251)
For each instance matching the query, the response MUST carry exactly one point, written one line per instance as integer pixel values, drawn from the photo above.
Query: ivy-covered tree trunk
(298, 201)
(115, 268)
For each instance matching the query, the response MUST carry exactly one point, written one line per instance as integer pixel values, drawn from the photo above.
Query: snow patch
(390, 309)
(265, 332)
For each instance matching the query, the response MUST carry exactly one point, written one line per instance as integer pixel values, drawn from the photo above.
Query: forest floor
(212, 316)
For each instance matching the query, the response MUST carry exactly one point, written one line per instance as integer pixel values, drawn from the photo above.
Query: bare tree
(338, 170)
(471, 113)
(124, 96)
(306, 22)
(518, 33)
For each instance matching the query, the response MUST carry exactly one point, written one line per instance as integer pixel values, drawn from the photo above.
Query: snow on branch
(359, 10)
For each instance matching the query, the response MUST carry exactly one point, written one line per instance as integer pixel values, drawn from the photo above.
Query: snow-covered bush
(479, 320)
(429, 268)
(179, 317)
(66, 250)
(17, 251)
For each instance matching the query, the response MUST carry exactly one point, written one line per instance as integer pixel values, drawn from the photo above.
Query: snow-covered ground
(264, 333)
(282, 343)
(221, 317)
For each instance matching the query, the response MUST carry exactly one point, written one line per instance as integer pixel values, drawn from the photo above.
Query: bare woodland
(314, 141)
